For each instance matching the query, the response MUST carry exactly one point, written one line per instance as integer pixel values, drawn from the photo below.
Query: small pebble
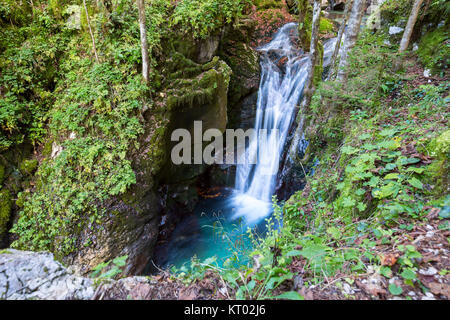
(429, 272)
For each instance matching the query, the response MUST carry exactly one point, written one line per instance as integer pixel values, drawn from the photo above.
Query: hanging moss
(200, 89)
(5, 209)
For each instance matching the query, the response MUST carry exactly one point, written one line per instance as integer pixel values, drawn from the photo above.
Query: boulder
(33, 275)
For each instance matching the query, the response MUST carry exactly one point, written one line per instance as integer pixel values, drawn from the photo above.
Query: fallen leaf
(389, 259)
(439, 288)
(433, 213)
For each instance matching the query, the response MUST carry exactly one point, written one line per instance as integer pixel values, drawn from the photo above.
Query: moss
(268, 4)
(318, 68)
(2, 173)
(5, 208)
(28, 166)
(434, 49)
(395, 11)
(21, 198)
(47, 150)
(305, 23)
(437, 172)
(326, 26)
(200, 89)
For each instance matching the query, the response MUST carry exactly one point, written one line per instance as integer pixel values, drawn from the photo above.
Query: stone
(36, 275)
(208, 49)
(431, 271)
(395, 30)
(74, 20)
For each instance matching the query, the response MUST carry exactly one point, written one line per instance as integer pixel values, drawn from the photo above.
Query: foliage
(201, 17)
(5, 208)
(325, 26)
(95, 120)
(109, 269)
(28, 71)
(434, 50)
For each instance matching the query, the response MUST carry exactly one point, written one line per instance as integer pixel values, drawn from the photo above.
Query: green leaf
(390, 166)
(293, 253)
(395, 290)
(416, 183)
(334, 232)
(388, 132)
(391, 176)
(120, 261)
(415, 169)
(364, 136)
(290, 295)
(349, 150)
(361, 206)
(314, 251)
(408, 274)
(386, 271)
(348, 202)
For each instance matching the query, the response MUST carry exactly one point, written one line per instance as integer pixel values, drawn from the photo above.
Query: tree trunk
(304, 23)
(90, 30)
(410, 26)
(144, 45)
(351, 35)
(309, 87)
(314, 56)
(347, 11)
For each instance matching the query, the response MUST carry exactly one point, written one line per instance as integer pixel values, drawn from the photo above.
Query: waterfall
(283, 75)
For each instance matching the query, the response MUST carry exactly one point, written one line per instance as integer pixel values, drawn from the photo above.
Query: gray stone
(28, 275)
(395, 30)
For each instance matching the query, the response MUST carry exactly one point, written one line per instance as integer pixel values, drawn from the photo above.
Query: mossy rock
(28, 166)
(5, 209)
(438, 172)
(395, 12)
(2, 173)
(268, 4)
(434, 50)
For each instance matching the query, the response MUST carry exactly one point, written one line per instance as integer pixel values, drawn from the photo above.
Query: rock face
(15, 174)
(26, 275)
(244, 61)
(31, 275)
(194, 88)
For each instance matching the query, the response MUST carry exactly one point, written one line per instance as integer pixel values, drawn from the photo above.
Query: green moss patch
(28, 166)
(5, 208)
(434, 50)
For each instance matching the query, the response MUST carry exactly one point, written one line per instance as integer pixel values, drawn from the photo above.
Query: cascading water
(284, 72)
(218, 224)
